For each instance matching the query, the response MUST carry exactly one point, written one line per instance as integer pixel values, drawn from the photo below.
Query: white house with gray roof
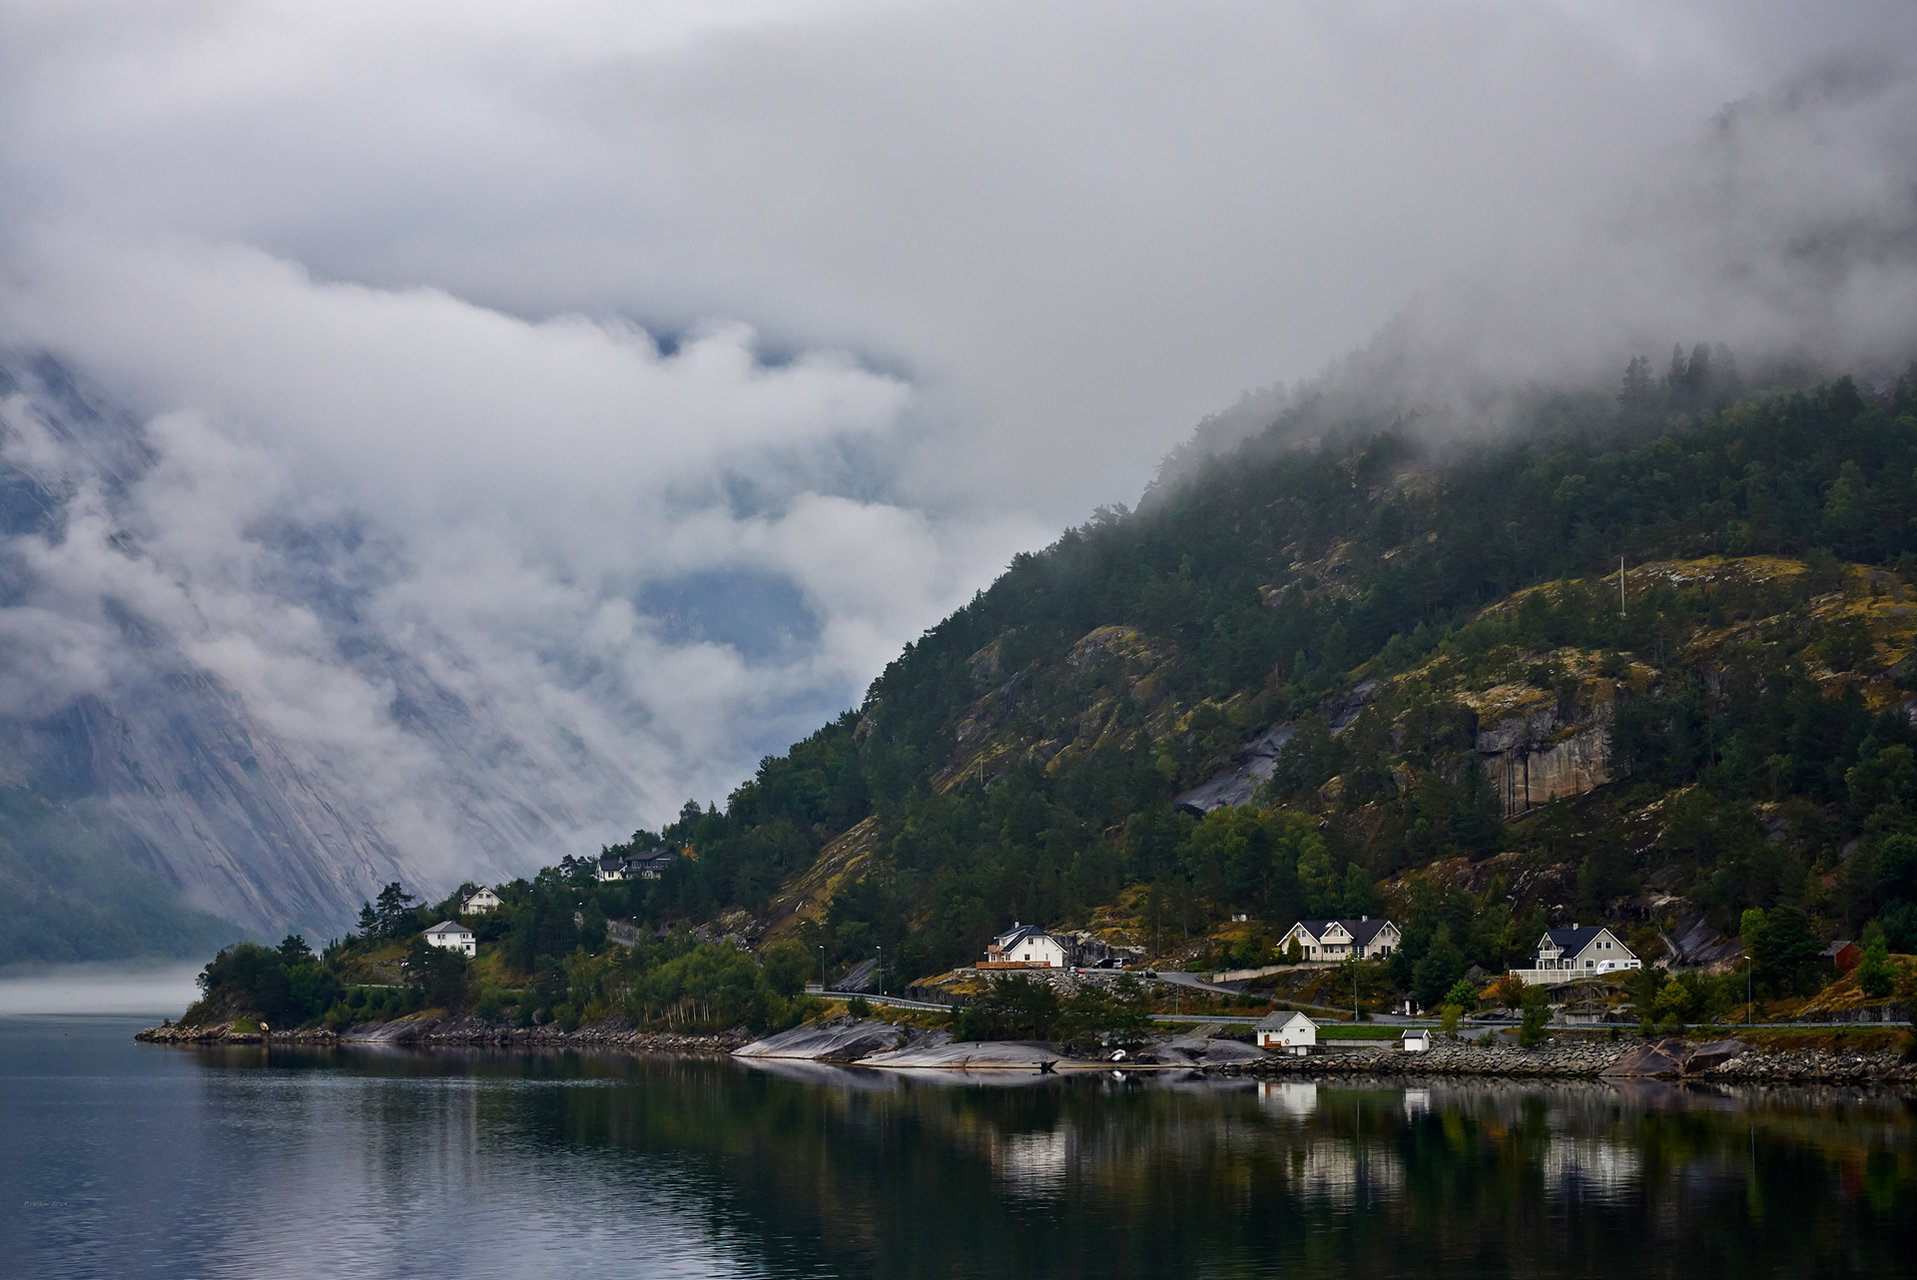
(1291, 1033)
(1028, 946)
(453, 936)
(1581, 951)
(1332, 941)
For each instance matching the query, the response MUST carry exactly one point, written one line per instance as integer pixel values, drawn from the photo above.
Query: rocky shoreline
(1669, 1059)
(457, 1033)
(881, 1045)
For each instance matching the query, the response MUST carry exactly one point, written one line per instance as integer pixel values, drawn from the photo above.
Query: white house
(1417, 1040)
(1287, 1033)
(1581, 951)
(612, 866)
(453, 936)
(1029, 946)
(1335, 940)
(477, 901)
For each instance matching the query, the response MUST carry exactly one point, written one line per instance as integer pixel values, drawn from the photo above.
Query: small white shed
(1416, 1040)
(1287, 1033)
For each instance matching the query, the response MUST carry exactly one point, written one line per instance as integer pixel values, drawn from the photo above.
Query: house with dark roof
(625, 866)
(1026, 946)
(479, 900)
(1322, 941)
(1581, 951)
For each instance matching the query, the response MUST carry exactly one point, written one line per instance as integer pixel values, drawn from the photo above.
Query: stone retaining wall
(1667, 1059)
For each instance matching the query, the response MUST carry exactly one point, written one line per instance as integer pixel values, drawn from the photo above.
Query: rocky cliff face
(270, 748)
(1534, 759)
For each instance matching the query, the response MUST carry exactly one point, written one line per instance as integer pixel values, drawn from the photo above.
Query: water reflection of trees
(857, 1172)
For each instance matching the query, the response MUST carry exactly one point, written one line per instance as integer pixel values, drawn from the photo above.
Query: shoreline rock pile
(459, 1033)
(872, 1043)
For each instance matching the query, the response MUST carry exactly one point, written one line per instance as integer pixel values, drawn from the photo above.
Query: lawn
(1358, 1031)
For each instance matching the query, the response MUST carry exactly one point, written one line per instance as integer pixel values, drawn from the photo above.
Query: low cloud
(558, 350)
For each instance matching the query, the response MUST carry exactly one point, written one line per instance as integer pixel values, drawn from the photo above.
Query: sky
(684, 360)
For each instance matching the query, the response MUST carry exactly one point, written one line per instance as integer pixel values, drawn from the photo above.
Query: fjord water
(127, 1160)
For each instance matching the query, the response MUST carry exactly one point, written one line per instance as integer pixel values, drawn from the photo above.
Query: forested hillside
(1424, 623)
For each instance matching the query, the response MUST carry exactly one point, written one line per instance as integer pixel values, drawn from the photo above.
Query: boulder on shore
(1662, 1058)
(1714, 1054)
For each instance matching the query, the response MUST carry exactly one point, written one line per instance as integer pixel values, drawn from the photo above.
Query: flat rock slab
(971, 1055)
(1214, 1051)
(837, 1041)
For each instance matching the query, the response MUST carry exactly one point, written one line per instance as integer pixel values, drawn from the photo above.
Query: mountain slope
(1427, 644)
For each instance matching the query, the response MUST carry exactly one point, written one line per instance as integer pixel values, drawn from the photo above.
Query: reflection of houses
(1335, 940)
(1292, 1098)
(452, 936)
(1416, 1102)
(1581, 951)
(1291, 1033)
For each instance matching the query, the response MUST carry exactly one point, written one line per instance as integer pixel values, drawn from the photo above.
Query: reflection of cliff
(1534, 758)
(1345, 1173)
(1035, 1164)
(1590, 1165)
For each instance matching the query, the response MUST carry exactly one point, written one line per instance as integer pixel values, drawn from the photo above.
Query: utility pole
(1620, 586)
(1750, 1001)
(821, 968)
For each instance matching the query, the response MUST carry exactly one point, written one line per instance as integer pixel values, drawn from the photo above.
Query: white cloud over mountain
(655, 371)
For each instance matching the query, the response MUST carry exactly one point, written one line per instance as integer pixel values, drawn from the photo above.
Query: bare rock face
(1532, 760)
(971, 1055)
(840, 1040)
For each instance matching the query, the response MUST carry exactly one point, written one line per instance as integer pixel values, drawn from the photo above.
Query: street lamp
(822, 967)
(881, 951)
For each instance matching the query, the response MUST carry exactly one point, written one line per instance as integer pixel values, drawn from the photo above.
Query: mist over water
(152, 991)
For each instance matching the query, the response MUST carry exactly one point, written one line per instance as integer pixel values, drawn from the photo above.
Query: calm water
(125, 1160)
